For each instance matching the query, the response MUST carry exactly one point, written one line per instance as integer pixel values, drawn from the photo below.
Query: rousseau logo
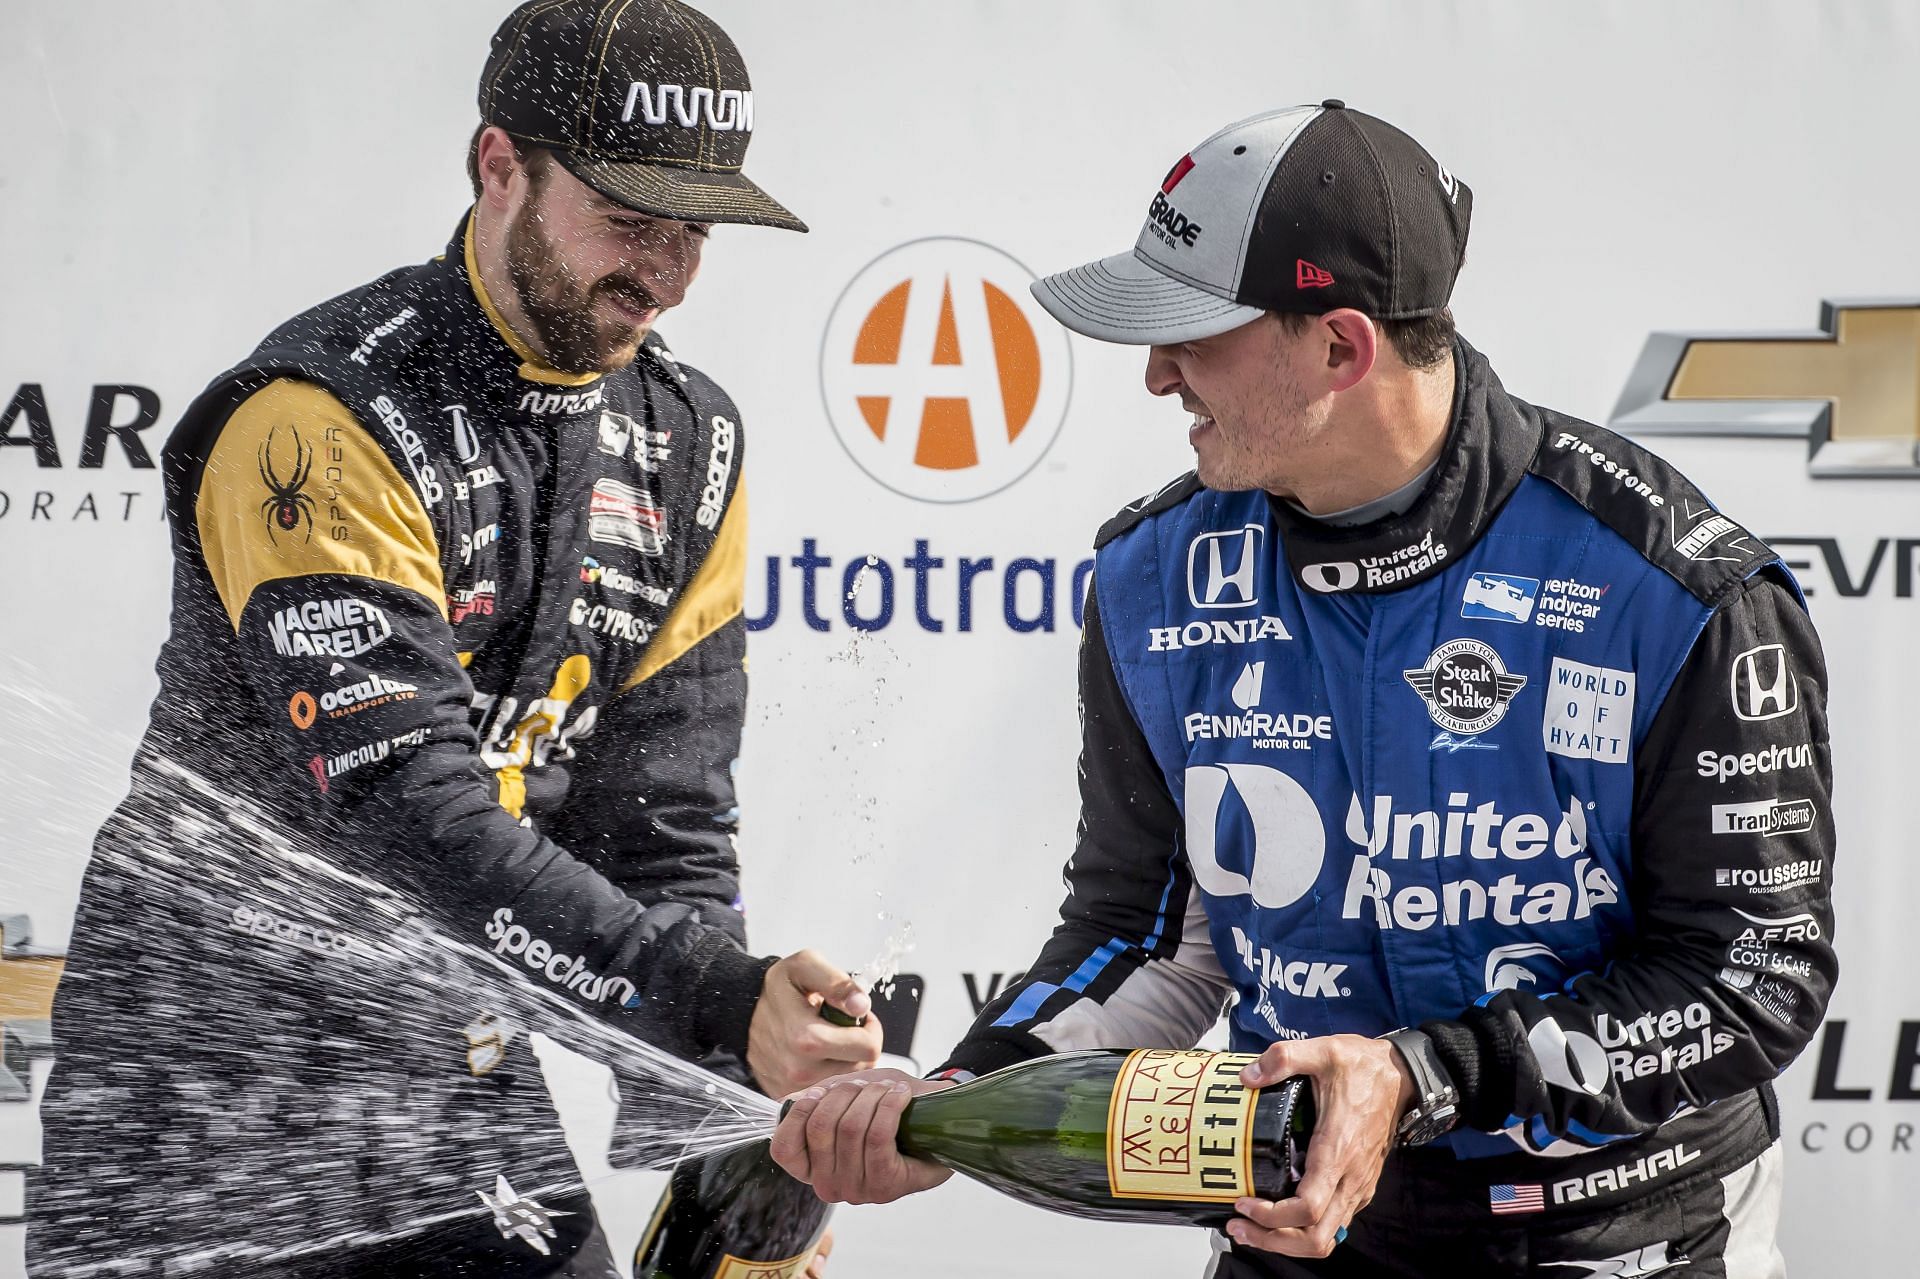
(942, 378)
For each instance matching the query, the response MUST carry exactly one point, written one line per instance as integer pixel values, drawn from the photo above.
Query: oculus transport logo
(942, 377)
(1851, 389)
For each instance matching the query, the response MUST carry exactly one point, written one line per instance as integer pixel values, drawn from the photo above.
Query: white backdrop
(180, 176)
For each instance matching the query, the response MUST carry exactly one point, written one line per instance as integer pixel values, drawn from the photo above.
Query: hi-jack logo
(1763, 684)
(1221, 568)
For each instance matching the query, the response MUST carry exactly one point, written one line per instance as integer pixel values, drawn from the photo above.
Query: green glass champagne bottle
(732, 1215)
(1155, 1135)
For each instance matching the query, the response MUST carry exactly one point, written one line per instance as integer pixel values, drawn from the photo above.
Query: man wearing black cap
(456, 655)
(1462, 743)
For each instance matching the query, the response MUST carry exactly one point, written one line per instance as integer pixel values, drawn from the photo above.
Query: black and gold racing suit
(441, 755)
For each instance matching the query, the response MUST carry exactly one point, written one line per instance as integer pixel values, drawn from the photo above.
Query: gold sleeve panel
(294, 487)
(716, 595)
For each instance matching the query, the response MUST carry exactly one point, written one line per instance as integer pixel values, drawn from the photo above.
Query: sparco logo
(1612, 1180)
(1465, 686)
(727, 111)
(412, 448)
(1375, 571)
(308, 937)
(328, 628)
(1764, 817)
(719, 467)
(1222, 568)
(566, 971)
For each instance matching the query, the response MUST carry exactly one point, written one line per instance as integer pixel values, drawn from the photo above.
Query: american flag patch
(1511, 1199)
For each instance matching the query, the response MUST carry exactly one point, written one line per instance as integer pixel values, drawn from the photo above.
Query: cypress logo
(941, 376)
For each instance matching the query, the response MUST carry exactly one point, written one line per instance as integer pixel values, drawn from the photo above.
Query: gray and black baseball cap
(1307, 209)
(646, 101)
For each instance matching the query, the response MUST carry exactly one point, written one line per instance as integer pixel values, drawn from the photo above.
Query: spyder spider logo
(289, 506)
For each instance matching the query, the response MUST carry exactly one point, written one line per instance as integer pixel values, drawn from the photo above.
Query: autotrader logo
(942, 378)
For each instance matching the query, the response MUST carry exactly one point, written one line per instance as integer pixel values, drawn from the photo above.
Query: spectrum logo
(942, 377)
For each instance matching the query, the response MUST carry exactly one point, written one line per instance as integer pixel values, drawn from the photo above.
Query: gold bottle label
(1180, 1126)
(732, 1267)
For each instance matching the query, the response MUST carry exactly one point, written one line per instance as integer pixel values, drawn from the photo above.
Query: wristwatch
(1436, 1102)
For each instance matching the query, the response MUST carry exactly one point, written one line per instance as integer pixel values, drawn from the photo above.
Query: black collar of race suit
(1491, 440)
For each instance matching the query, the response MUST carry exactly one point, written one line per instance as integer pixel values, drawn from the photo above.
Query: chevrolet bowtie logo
(1852, 390)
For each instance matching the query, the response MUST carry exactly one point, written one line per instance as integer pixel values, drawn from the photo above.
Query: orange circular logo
(302, 710)
(943, 378)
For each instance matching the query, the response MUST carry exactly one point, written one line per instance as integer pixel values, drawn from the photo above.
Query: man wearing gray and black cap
(457, 652)
(1460, 746)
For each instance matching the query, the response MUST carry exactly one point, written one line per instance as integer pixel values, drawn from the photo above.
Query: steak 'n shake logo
(1465, 686)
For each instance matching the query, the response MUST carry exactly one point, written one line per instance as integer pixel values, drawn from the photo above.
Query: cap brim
(687, 195)
(1124, 299)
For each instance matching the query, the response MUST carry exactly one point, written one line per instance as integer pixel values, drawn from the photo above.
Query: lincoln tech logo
(941, 376)
(1851, 388)
(1221, 568)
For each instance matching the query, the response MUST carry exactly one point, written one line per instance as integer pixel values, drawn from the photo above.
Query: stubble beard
(560, 308)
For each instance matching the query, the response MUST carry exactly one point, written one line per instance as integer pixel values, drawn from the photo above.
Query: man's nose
(1163, 372)
(669, 265)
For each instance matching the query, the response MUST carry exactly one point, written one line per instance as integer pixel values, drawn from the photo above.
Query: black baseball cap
(1308, 210)
(646, 101)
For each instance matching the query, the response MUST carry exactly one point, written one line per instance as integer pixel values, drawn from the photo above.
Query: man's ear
(498, 160)
(1352, 344)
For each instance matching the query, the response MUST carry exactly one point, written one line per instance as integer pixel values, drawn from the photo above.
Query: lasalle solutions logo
(1850, 389)
(943, 378)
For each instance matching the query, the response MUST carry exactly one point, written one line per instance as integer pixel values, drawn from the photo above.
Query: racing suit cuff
(1482, 1067)
(725, 992)
(984, 1056)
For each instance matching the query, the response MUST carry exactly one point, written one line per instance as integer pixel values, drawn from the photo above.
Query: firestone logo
(941, 376)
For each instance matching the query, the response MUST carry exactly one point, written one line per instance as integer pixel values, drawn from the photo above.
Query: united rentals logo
(941, 377)
(1850, 389)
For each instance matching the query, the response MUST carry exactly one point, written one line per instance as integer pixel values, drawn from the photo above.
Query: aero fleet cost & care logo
(942, 377)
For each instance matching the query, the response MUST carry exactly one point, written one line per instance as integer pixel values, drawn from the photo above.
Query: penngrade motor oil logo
(941, 376)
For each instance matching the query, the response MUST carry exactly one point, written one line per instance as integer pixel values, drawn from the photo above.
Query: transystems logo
(941, 376)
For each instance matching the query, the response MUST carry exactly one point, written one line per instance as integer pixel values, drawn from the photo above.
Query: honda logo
(1221, 568)
(1763, 684)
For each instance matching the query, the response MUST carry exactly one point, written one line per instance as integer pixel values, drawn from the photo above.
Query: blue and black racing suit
(1539, 764)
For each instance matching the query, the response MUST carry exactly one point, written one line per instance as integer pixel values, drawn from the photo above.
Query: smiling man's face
(1254, 423)
(592, 276)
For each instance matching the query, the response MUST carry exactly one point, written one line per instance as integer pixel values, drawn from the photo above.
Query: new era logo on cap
(1308, 210)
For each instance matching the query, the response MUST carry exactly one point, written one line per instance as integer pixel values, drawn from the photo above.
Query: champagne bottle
(732, 1215)
(1155, 1135)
